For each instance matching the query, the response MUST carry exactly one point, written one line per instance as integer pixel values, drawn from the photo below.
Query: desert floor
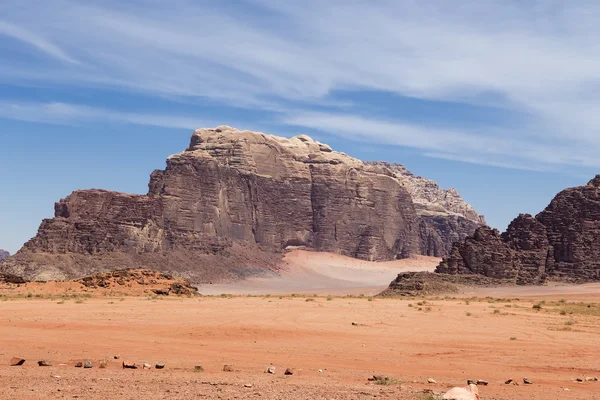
(333, 344)
(311, 272)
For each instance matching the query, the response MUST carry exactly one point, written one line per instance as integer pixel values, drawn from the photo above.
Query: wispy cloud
(540, 58)
(34, 40)
(63, 113)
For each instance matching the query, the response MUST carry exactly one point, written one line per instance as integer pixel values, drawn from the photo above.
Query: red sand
(438, 340)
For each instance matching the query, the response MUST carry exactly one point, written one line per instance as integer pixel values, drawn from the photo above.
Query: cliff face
(444, 217)
(560, 242)
(227, 206)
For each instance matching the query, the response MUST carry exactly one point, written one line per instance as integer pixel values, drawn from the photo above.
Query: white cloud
(539, 58)
(34, 40)
(62, 113)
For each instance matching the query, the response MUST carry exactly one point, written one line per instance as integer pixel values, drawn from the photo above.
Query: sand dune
(325, 273)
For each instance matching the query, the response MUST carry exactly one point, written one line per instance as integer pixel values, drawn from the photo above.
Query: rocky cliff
(444, 217)
(229, 204)
(4, 254)
(561, 242)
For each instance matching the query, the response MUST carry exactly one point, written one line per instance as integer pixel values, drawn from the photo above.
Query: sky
(497, 99)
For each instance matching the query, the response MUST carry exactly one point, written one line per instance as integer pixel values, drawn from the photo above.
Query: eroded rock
(227, 206)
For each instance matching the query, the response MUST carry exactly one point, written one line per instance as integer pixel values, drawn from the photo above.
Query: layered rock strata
(227, 206)
(561, 242)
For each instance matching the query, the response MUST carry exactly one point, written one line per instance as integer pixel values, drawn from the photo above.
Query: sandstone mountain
(4, 254)
(444, 217)
(229, 204)
(561, 242)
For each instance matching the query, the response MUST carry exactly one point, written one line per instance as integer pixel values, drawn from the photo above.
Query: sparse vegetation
(427, 396)
(329, 298)
(537, 306)
(468, 314)
(513, 338)
(386, 381)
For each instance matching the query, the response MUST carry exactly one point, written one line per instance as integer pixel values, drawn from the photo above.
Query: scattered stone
(88, 364)
(78, 364)
(228, 368)
(16, 361)
(459, 393)
(159, 366)
(381, 378)
(248, 385)
(578, 379)
(44, 363)
(161, 292)
(527, 381)
(117, 357)
(431, 380)
(511, 382)
(354, 324)
(270, 370)
(320, 371)
(590, 379)
(102, 365)
(129, 365)
(146, 366)
(198, 368)
(482, 382)
(289, 371)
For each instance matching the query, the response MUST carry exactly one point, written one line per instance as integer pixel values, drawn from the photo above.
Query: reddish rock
(229, 205)
(559, 243)
(16, 361)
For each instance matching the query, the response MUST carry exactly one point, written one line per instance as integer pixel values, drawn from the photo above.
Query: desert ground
(308, 272)
(333, 344)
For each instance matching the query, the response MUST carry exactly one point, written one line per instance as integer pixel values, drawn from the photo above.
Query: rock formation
(231, 202)
(444, 217)
(4, 254)
(561, 242)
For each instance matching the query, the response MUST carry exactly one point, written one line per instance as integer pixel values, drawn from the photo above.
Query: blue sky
(496, 98)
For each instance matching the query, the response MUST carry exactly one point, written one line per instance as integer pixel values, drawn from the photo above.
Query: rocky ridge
(444, 217)
(4, 254)
(561, 242)
(227, 206)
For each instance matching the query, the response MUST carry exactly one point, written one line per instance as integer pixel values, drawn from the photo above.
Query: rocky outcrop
(4, 254)
(561, 242)
(444, 217)
(228, 205)
(414, 284)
